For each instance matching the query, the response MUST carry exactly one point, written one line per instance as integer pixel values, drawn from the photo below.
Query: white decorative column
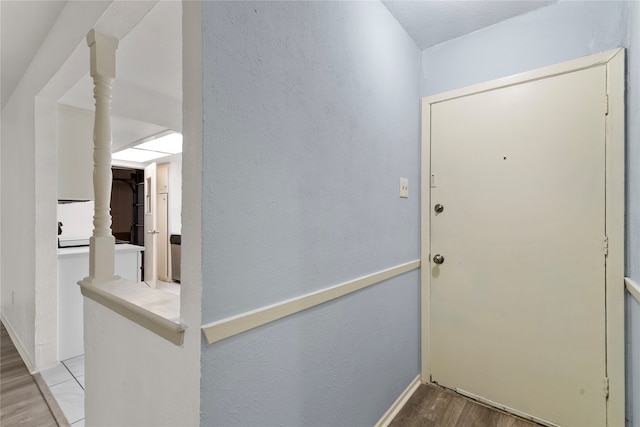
(103, 70)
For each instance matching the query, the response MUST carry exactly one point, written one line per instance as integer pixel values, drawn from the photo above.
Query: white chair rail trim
(234, 325)
(633, 288)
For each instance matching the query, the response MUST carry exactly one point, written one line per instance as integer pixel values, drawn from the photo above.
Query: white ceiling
(23, 27)
(149, 58)
(148, 62)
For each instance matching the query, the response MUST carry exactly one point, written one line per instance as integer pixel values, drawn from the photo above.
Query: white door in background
(162, 253)
(517, 311)
(150, 225)
(162, 222)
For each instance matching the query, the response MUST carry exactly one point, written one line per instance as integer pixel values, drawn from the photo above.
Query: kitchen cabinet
(73, 265)
(74, 153)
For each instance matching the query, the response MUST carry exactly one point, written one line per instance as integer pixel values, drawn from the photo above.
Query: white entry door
(517, 256)
(150, 225)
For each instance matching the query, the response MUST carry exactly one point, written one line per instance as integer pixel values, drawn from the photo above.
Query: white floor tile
(81, 380)
(70, 398)
(78, 423)
(56, 375)
(172, 288)
(75, 365)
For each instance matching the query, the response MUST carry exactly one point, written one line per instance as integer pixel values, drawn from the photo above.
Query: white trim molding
(602, 58)
(153, 309)
(234, 325)
(18, 344)
(391, 413)
(633, 288)
(614, 228)
(614, 61)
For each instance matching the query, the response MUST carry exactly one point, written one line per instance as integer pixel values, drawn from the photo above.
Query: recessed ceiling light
(162, 145)
(170, 143)
(135, 155)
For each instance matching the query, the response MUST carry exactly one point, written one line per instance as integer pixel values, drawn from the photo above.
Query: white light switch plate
(404, 187)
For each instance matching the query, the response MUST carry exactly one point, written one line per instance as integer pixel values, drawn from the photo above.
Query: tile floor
(66, 382)
(172, 288)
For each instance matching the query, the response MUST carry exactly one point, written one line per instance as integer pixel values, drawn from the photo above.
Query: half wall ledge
(153, 309)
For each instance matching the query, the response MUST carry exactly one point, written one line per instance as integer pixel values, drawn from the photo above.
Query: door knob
(438, 208)
(438, 259)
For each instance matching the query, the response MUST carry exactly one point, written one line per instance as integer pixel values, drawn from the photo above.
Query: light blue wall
(547, 36)
(311, 114)
(339, 364)
(633, 361)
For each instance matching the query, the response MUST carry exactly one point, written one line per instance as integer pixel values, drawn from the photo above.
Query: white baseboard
(19, 346)
(399, 403)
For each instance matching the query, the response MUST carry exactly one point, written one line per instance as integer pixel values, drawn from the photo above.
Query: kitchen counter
(121, 248)
(73, 265)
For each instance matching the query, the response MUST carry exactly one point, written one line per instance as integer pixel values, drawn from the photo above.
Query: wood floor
(433, 406)
(21, 403)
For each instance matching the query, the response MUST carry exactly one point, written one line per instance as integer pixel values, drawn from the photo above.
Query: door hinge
(606, 387)
(605, 245)
(606, 105)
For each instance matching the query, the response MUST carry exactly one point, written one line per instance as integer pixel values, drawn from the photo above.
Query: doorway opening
(127, 205)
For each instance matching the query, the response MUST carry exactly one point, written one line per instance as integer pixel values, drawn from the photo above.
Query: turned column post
(103, 70)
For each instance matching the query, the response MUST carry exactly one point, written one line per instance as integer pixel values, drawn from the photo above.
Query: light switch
(404, 187)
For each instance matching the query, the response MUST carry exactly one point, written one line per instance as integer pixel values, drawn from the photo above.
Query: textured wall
(311, 116)
(547, 36)
(18, 221)
(338, 364)
(134, 377)
(28, 188)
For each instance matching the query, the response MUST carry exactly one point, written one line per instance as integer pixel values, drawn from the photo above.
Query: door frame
(150, 225)
(614, 61)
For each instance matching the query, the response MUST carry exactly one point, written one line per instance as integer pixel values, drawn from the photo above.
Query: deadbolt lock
(438, 208)
(438, 259)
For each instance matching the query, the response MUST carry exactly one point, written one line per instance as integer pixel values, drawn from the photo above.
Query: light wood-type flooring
(433, 406)
(21, 403)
